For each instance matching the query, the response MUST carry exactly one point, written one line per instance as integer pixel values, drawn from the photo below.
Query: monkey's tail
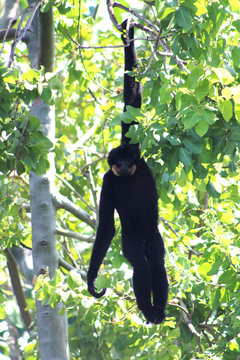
(96, 294)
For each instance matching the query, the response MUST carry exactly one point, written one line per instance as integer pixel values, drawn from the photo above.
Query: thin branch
(187, 319)
(75, 191)
(88, 174)
(146, 29)
(154, 35)
(153, 53)
(169, 226)
(18, 290)
(74, 235)
(92, 163)
(11, 8)
(112, 46)
(21, 32)
(179, 307)
(115, 4)
(62, 202)
(209, 329)
(67, 266)
(178, 61)
(112, 16)
(5, 33)
(87, 72)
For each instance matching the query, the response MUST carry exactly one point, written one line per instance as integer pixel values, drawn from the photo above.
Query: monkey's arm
(105, 233)
(132, 93)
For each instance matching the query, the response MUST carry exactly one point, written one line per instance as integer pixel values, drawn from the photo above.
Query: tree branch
(75, 192)
(23, 257)
(62, 202)
(153, 53)
(74, 235)
(187, 319)
(47, 53)
(18, 290)
(149, 23)
(21, 32)
(67, 266)
(154, 34)
(10, 13)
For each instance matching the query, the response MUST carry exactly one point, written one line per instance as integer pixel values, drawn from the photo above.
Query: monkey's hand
(92, 289)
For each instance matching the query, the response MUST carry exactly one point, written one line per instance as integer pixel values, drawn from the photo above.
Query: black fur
(129, 188)
(132, 94)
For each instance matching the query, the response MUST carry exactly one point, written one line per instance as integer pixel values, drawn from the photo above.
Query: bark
(52, 327)
(10, 13)
(18, 290)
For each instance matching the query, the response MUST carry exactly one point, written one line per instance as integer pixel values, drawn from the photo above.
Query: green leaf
(212, 191)
(215, 298)
(132, 114)
(42, 166)
(191, 119)
(224, 76)
(165, 94)
(208, 116)
(185, 157)
(31, 75)
(193, 143)
(235, 5)
(194, 78)
(34, 123)
(20, 167)
(202, 90)
(203, 269)
(236, 56)
(199, 170)
(235, 134)
(184, 18)
(174, 140)
(226, 109)
(201, 127)
(74, 280)
(2, 312)
(155, 92)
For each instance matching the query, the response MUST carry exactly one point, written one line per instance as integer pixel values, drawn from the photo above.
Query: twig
(153, 53)
(7, 34)
(179, 307)
(187, 319)
(74, 235)
(112, 16)
(87, 72)
(92, 163)
(88, 175)
(178, 61)
(120, 6)
(21, 33)
(62, 202)
(67, 266)
(168, 225)
(154, 35)
(112, 46)
(146, 29)
(209, 329)
(75, 191)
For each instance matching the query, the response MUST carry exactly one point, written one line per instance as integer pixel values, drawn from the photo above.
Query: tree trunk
(52, 327)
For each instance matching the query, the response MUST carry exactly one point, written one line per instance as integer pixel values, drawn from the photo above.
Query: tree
(189, 132)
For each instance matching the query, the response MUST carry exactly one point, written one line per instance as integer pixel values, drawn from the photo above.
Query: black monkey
(129, 188)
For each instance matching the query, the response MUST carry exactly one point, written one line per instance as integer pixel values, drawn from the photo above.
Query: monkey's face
(122, 160)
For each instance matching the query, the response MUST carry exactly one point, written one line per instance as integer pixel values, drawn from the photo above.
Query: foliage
(189, 130)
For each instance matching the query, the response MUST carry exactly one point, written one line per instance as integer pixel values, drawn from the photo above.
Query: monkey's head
(122, 160)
